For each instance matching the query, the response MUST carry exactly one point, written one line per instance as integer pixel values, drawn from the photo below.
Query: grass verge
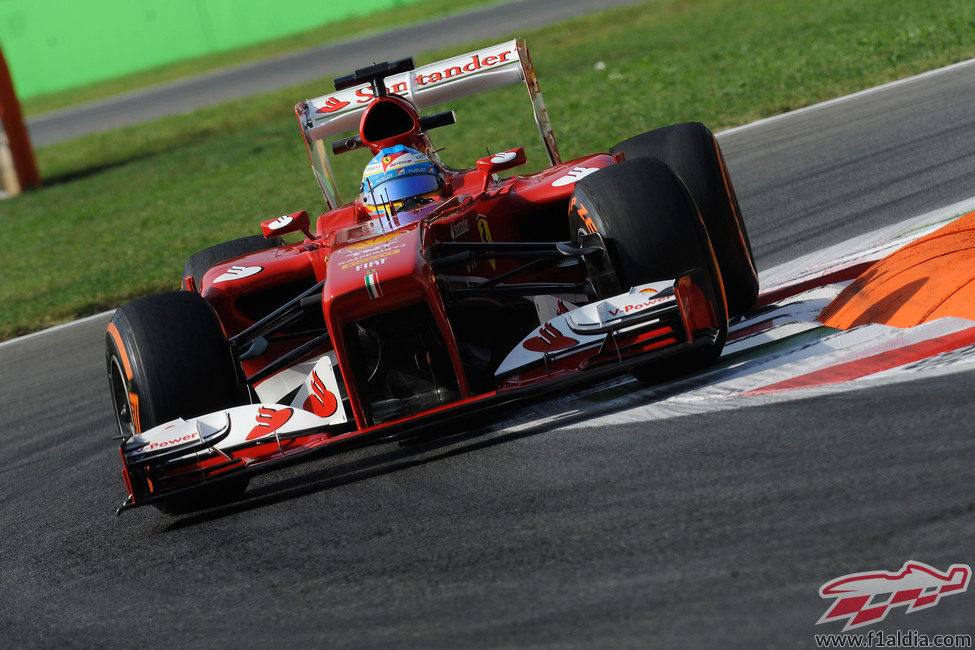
(122, 210)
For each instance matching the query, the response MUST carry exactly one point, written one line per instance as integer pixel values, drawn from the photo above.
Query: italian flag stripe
(372, 286)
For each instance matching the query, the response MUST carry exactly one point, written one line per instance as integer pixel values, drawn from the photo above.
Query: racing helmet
(395, 175)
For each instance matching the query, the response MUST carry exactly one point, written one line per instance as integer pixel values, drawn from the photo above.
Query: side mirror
(294, 222)
(499, 162)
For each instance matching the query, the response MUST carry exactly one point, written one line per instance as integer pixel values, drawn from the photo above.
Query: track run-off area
(706, 512)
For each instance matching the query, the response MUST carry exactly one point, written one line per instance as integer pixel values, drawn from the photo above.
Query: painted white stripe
(724, 388)
(852, 96)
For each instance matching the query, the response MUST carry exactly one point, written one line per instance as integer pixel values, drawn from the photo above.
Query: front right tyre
(693, 153)
(641, 215)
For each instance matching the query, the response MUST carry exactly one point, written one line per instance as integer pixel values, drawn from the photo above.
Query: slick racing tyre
(640, 213)
(199, 263)
(168, 358)
(691, 150)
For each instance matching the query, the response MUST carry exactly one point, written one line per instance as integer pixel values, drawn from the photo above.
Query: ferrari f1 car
(403, 314)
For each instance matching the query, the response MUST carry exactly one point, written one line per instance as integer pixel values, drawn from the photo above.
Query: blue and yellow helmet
(396, 174)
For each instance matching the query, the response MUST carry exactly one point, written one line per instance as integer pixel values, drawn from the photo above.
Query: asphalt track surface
(712, 530)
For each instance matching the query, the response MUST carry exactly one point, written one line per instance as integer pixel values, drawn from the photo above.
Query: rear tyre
(692, 152)
(168, 358)
(640, 213)
(199, 263)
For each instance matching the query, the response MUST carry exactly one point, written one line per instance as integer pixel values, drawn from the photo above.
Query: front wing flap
(186, 453)
(655, 316)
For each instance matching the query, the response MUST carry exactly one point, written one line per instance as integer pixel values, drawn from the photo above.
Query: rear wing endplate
(327, 116)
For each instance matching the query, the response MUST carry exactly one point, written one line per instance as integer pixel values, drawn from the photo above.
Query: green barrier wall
(52, 45)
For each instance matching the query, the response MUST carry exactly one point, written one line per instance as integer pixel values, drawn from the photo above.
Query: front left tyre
(168, 358)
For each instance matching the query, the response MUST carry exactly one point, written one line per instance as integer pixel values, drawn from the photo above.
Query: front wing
(602, 338)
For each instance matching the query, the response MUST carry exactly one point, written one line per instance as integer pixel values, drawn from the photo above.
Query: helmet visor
(402, 187)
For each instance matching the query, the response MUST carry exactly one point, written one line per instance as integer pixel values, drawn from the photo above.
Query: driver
(399, 178)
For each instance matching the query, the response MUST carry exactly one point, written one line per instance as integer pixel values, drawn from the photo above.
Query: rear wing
(327, 116)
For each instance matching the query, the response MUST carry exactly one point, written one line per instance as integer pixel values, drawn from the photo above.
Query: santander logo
(449, 71)
(268, 421)
(331, 105)
(321, 402)
(549, 339)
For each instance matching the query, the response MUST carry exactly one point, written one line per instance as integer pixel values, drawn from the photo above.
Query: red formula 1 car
(436, 294)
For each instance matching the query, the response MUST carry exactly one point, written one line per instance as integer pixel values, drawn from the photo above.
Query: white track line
(844, 98)
(836, 100)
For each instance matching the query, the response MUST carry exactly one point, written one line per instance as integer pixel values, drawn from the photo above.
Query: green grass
(122, 210)
(344, 29)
